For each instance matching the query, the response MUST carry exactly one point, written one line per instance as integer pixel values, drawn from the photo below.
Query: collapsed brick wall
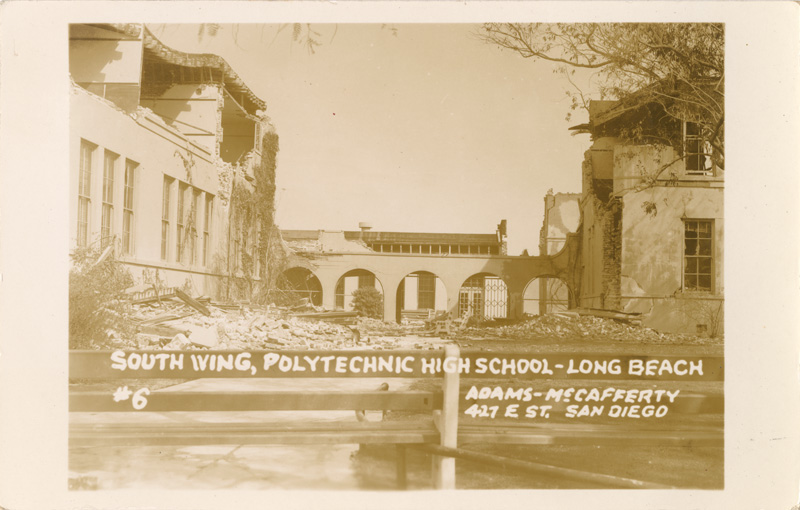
(610, 215)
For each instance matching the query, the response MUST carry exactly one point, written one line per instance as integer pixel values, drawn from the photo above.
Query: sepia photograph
(399, 254)
(396, 257)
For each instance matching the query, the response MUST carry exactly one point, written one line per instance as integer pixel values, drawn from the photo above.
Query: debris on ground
(582, 327)
(173, 320)
(176, 321)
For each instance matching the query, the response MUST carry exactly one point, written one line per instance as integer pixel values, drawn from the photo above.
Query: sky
(418, 128)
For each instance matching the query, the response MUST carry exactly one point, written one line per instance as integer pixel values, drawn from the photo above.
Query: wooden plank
(200, 307)
(546, 469)
(601, 437)
(188, 364)
(178, 434)
(415, 363)
(401, 467)
(165, 401)
(444, 468)
(684, 404)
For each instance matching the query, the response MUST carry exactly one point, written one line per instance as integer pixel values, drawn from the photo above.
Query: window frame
(699, 152)
(129, 207)
(84, 211)
(110, 160)
(166, 215)
(711, 257)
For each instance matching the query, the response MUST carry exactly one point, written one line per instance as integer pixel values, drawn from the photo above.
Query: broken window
(107, 218)
(165, 217)
(127, 208)
(84, 191)
(698, 255)
(697, 151)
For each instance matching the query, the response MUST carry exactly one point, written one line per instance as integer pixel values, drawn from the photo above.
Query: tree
(679, 67)
(368, 302)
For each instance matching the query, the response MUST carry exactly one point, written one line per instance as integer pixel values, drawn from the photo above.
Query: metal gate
(483, 297)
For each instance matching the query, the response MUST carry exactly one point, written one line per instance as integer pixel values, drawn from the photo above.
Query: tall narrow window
(127, 208)
(207, 215)
(426, 291)
(107, 219)
(697, 151)
(165, 205)
(698, 255)
(193, 219)
(84, 191)
(181, 241)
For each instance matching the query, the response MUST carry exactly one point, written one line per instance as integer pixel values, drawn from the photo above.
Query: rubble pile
(173, 325)
(583, 328)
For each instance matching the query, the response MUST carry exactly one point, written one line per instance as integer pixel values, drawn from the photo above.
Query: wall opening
(300, 283)
(545, 295)
(419, 294)
(483, 296)
(349, 282)
(239, 135)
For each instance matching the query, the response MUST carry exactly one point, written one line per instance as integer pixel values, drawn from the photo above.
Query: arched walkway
(484, 296)
(546, 295)
(418, 293)
(301, 283)
(349, 282)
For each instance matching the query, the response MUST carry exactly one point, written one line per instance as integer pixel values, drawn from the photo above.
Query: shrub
(368, 302)
(96, 299)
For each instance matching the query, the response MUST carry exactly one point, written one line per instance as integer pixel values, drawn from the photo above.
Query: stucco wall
(653, 256)
(192, 110)
(156, 149)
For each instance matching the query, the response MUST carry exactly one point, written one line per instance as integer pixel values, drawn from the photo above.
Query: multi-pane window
(698, 255)
(165, 208)
(107, 218)
(697, 151)
(192, 226)
(207, 215)
(426, 291)
(84, 191)
(127, 208)
(366, 280)
(181, 241)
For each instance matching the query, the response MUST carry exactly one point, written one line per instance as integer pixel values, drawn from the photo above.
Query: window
(366, 280)
(84, 191)
(426, 291)
(181, 241)
(127, 208)
(207, 215)
(165, 207)
(193, 218)
(697, 151)
(107, 218)
(698, 255)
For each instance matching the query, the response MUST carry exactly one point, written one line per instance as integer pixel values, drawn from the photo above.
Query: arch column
(516, 301)
(453, 286)
(390, 284)
(328, 282)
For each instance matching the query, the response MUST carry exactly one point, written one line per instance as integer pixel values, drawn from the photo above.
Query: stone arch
(547, 294)
(484, 296)
(350, 281)
(300, 282)
(420, 292)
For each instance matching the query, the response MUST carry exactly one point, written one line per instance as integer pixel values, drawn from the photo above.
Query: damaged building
(416, 272)
(652, 222)
(171, 160)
